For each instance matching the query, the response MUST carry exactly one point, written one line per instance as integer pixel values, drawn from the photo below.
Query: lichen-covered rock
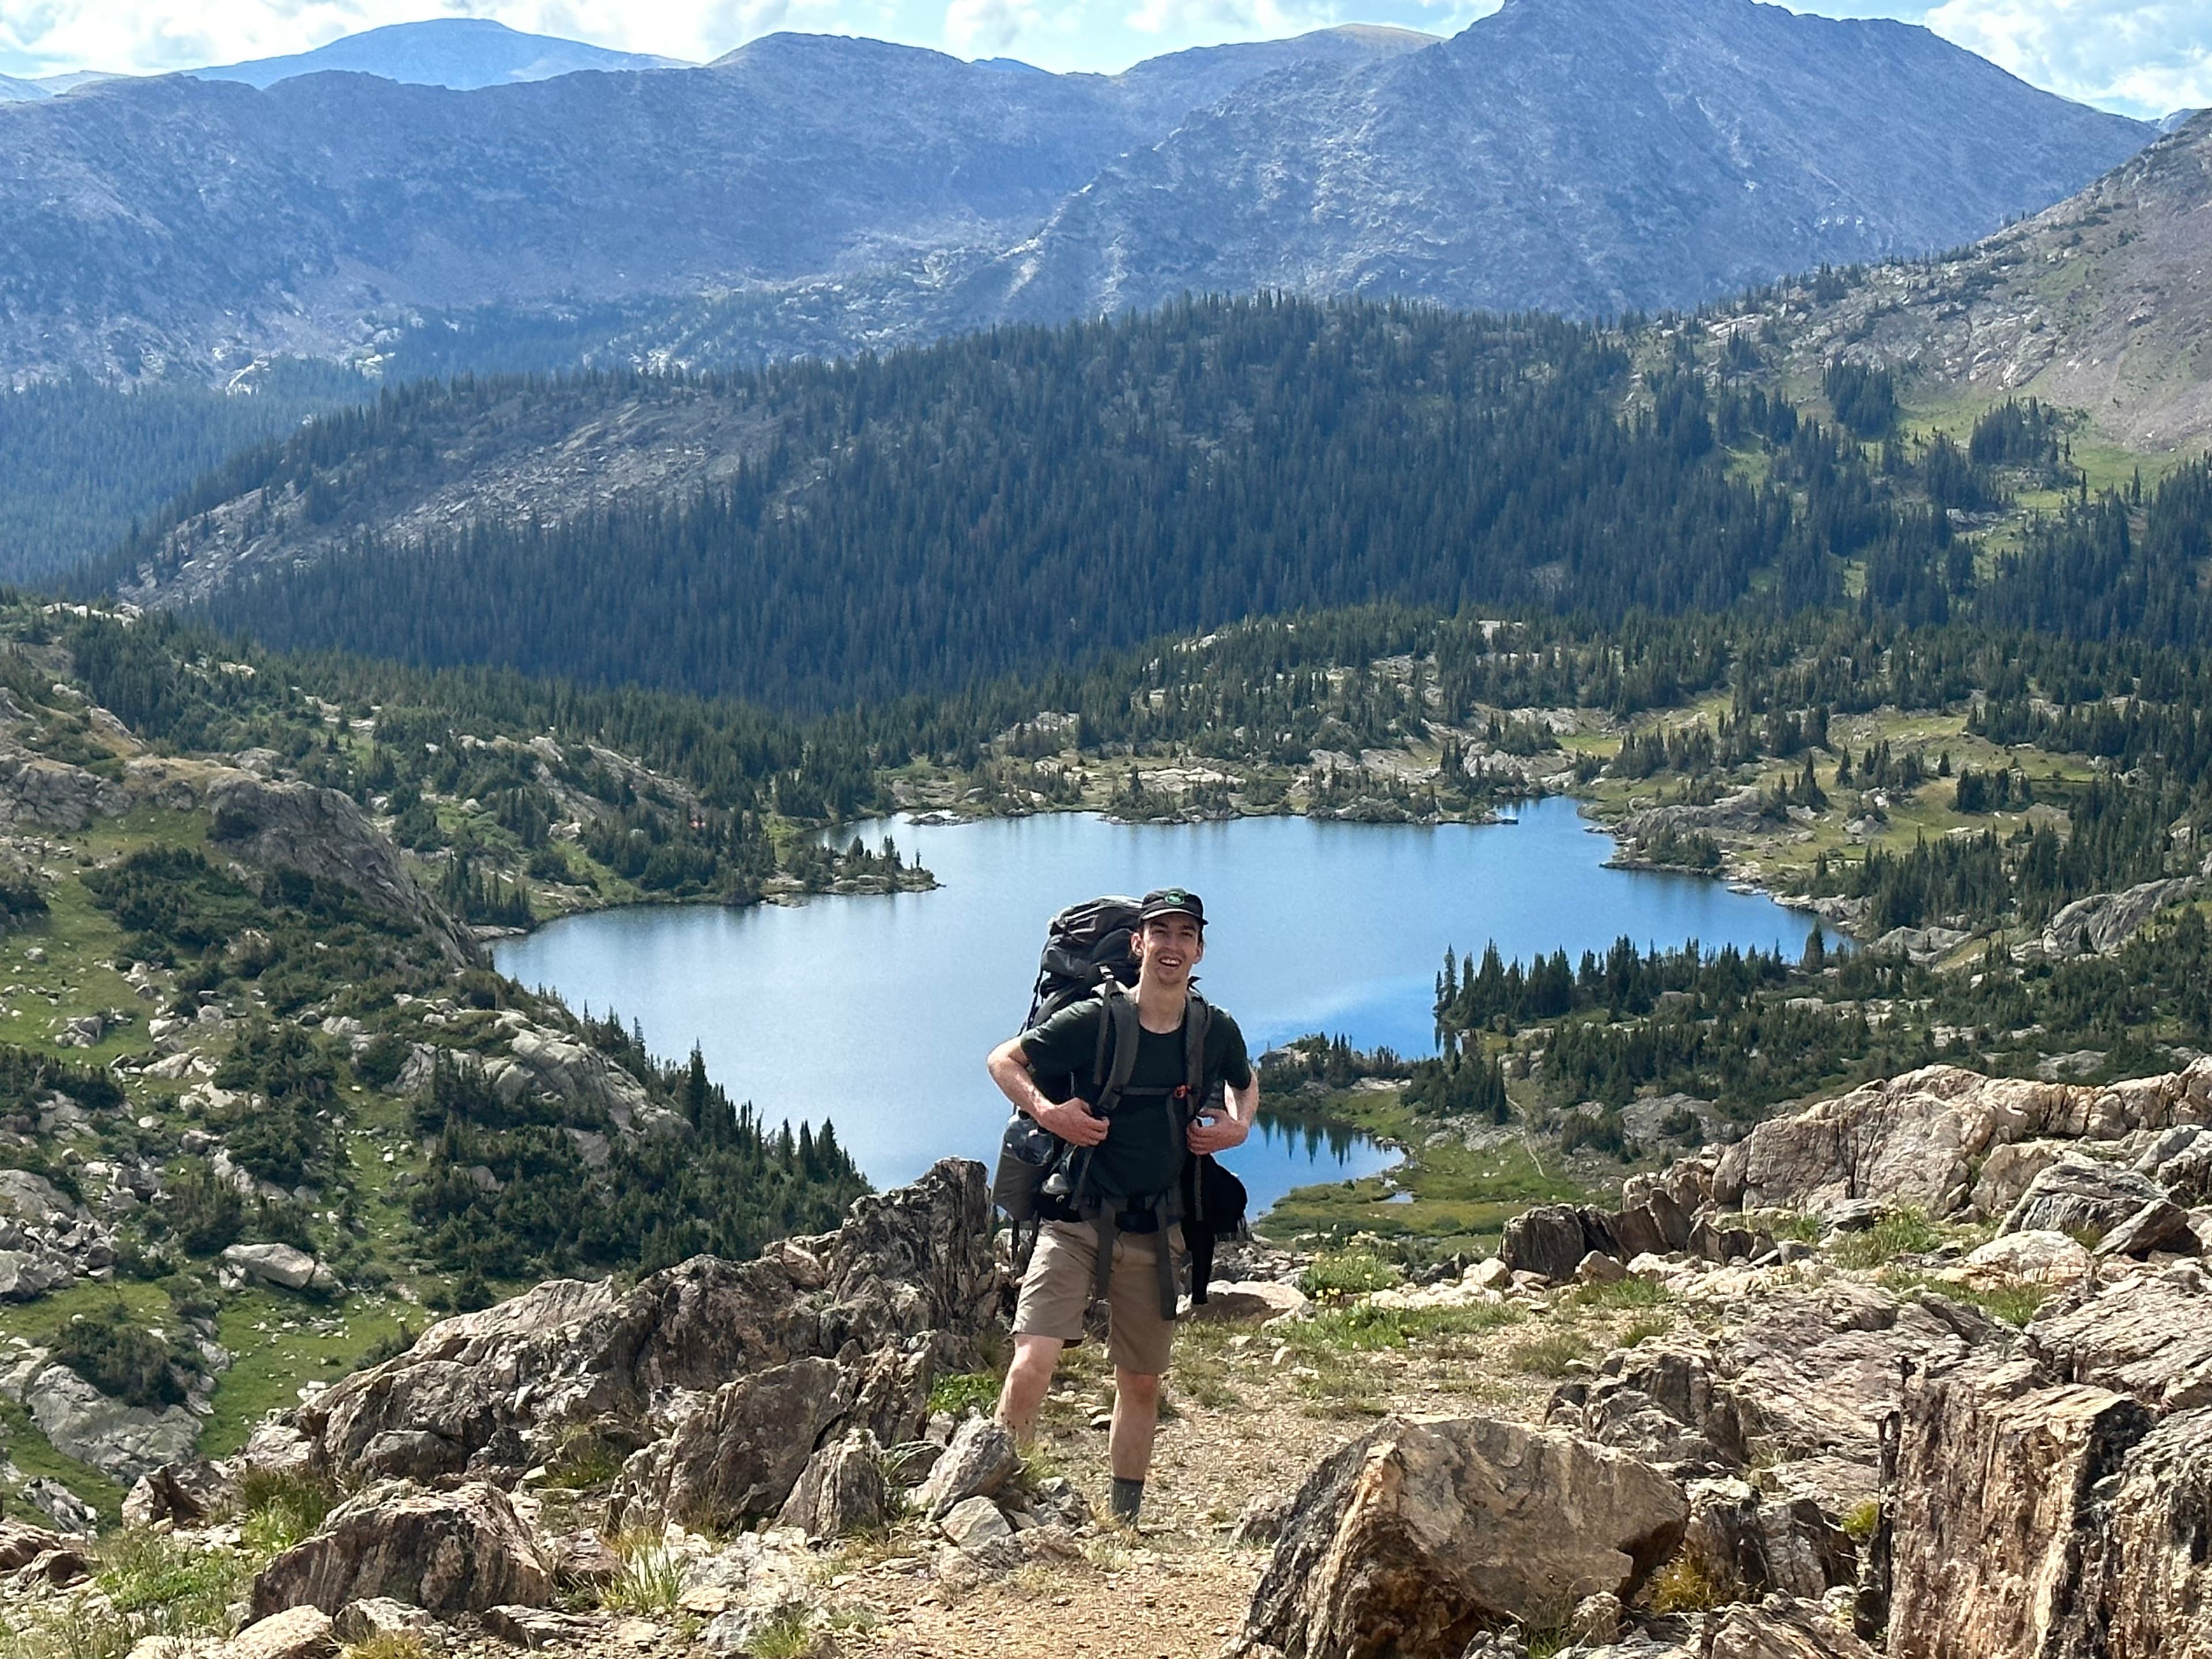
(447, 1552)
(1425, 1530)
(735, 1456)
(980, 1460)
(841, 1490)
(2080, 1194)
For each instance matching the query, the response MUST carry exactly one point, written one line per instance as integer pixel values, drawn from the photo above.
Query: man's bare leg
(1028, 1379)
(1129, 1448)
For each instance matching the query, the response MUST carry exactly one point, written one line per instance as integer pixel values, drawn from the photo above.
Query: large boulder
(735, 1456)
(907, 1262)
(326, 835)
(1551, 1240)
(282, 1266)
(1425, 1530)
(122, 1441)
(446, 1552)
(184, 1493)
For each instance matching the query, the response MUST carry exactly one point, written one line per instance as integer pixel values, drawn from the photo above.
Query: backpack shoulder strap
(1197, 1017)
(1118, 1016)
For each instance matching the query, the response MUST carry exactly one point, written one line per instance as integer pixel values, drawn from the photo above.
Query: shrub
(962, 1391)
(1863, 1518)
(121, 1357)
(378, 1065)
(1340, 1275)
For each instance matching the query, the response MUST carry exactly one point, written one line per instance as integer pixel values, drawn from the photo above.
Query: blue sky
(2144, 57)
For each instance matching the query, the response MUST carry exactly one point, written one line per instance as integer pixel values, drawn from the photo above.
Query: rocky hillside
(2099, 304)
(264, 1109)
(1920, 1369)
(1585, 158)
(842, 192)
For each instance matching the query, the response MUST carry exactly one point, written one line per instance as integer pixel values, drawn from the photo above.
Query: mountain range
(459, 52)
(824, 193)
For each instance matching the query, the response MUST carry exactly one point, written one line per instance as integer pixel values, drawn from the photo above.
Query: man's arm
(1071, 1119)
(1219, 1134)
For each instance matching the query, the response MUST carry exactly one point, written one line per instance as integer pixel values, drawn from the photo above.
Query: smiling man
(1189, 1091)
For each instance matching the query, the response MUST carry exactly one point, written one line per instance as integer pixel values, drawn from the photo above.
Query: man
(1131, 1168)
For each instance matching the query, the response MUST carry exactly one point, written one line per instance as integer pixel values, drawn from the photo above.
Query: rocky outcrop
(1916, 1139)
(1797, 1376)
(2105, 922)
(122, 1441)
(326, 835)
(906, 1263)
(2056, 1503)
(1553, 1239)
(552, 1066)
(52, 795)
(1425, 1531)
(452, 1551)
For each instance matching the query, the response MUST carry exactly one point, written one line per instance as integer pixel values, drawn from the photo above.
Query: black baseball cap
(1171, 902)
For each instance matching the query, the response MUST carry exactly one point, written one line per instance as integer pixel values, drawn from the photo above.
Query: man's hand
(1219, 1128)
(1071, 1119)
(1217, 1132)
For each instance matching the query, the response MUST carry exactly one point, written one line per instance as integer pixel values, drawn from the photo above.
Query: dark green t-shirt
(1141, 1153)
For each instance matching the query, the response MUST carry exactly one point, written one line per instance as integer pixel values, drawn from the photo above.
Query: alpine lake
(875, 1013)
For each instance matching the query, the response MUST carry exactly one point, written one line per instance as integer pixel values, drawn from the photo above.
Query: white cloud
(2144, 57)
(986, 28)
(2149, 55)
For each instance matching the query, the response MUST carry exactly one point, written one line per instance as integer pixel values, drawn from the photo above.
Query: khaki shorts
(1056, 1294)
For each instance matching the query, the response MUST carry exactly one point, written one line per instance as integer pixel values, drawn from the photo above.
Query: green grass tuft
(1901, 1232)
(1552, 1354)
